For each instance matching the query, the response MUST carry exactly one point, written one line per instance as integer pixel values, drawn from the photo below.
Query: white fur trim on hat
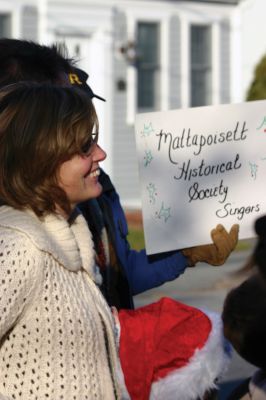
(205, 367)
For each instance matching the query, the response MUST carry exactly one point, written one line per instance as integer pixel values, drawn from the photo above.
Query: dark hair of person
(245, 306)
(41, 126)
(244, 320)
(22, 60)
(259, 255)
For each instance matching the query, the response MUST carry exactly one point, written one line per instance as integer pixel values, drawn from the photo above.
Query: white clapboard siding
(29, 23)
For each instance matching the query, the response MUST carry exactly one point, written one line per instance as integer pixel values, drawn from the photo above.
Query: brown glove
(214, 254)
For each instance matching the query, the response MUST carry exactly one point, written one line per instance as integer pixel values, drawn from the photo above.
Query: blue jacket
(141, 272)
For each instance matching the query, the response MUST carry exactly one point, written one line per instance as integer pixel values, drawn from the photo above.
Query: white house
(145, 55)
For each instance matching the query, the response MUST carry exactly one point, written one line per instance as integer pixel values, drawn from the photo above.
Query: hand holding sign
(217, 253)
(201, 167)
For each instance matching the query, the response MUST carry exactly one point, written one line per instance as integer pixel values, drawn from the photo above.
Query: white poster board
(201, 167)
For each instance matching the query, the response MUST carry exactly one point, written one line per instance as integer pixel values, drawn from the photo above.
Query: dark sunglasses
(91, 142)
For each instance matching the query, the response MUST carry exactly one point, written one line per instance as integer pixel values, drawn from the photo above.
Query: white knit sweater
(52, 314)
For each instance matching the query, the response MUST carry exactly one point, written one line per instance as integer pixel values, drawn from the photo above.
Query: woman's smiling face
(78, 177)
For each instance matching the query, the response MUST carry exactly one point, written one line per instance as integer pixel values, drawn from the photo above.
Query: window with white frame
(148, 69)
(200, 67)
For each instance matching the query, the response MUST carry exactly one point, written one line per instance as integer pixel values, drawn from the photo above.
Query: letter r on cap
(74, 79)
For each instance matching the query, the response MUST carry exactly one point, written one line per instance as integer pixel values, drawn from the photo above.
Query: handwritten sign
(200, 167)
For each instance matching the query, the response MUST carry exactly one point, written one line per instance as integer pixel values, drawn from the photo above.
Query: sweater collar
(71, 245)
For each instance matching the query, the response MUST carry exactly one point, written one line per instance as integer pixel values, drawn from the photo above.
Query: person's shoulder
(20, 259)
(18, 230)
(13, 223)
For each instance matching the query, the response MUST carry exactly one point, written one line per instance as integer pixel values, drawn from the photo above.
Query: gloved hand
(214, 254)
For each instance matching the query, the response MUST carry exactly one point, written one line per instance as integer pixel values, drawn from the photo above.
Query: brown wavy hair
(41, 126)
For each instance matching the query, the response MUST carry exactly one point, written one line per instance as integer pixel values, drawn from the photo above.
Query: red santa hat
(169, 350)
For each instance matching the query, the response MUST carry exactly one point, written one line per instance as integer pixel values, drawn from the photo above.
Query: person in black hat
(125, 271)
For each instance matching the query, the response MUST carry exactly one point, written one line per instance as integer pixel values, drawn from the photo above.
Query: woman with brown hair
(58, 336)
(56, 329)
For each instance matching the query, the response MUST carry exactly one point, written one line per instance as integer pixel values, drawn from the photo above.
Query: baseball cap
(78, 77)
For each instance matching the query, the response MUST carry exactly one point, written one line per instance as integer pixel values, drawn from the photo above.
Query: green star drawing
(253, 170)
(147, 130)
(262, 124)
(152, 192)
(164, 213)
(147, 158)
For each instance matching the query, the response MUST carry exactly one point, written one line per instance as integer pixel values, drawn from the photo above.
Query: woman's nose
(99, 154)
